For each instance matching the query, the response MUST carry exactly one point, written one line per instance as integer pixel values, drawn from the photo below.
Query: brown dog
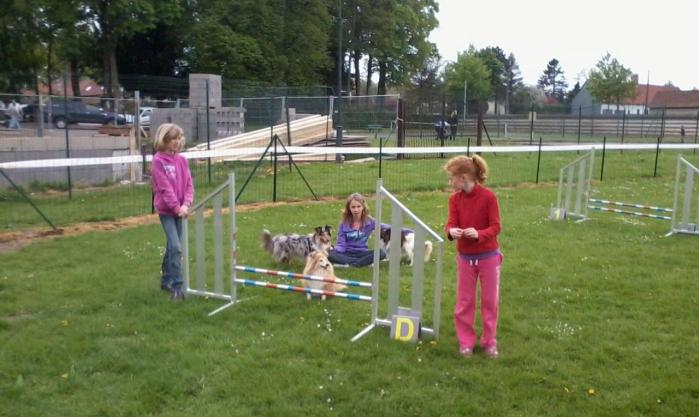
(317, 264)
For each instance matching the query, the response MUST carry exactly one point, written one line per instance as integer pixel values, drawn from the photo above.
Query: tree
(553, 81)
(495, 59)
(21, 51)
(512, 79)
(267, 41)
(112, 20)
(527, 97)
(397, 34)
(611, 82)
(573, 92)
(471, 71)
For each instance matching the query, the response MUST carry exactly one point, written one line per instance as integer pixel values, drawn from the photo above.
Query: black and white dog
(286, 247)
(407, 243)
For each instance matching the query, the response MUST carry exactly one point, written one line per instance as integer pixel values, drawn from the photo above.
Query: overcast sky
(660, 37)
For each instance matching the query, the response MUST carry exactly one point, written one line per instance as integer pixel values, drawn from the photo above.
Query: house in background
(676, 103)
(584, 103)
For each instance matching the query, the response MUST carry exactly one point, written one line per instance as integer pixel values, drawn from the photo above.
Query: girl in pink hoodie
(173, 193)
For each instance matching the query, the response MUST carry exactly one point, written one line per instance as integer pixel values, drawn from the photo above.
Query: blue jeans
(172, 261)
(362, 258)
(14, 122)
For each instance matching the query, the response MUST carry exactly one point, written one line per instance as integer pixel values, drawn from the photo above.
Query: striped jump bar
(302, 276)
(283, 287)
(639, 206)
(631, 213)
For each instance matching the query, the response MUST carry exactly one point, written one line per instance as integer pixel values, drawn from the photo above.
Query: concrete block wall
(197, 90)
(223, 122)
(54, 148)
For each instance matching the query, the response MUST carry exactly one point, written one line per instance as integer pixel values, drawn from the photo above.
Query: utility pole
(465, 105)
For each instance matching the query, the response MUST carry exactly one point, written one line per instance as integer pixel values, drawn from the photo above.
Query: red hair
(474, 167)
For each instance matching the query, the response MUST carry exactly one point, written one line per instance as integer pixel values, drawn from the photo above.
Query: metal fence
(111, 188)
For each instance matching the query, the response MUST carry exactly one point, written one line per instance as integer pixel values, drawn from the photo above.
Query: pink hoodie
(172, 183)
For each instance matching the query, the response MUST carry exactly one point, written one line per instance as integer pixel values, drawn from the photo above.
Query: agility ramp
(304, 131)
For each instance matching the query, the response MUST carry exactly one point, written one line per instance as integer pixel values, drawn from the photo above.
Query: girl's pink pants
(469, 273)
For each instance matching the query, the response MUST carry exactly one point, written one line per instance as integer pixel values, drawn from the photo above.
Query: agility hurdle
(218, 289)
(604, 205)
(398, 212)
(203, 287)
(685, 206)
(574, 181)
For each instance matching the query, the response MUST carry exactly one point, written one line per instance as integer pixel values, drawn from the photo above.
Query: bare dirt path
(13, 241)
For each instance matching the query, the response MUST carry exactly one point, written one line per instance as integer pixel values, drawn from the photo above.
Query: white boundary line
(326, 150)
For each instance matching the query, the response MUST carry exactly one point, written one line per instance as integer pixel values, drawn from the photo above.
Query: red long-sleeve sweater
(478, 209)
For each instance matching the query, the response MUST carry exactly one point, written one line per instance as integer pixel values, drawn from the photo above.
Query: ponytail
(481, 169)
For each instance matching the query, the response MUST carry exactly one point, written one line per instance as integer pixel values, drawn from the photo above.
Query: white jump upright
(398, 213)
(685, 206)
(203, 286)
(574, 186)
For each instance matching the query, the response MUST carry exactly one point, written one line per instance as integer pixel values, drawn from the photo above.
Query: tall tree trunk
(369, 72)
(357, 78)
(381, 87)
(75, 76)
(49, 65)
(111, 74)
(35, 72)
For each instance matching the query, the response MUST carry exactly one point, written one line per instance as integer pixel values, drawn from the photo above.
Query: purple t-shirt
(354, 240)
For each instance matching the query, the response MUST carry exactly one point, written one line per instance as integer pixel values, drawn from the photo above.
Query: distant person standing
(453, 125)
(682, 133)
(15, 112)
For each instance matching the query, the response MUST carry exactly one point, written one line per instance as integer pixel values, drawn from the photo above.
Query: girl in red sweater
(474, 222)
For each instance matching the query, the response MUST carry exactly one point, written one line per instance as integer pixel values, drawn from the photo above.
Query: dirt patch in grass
(13, 241)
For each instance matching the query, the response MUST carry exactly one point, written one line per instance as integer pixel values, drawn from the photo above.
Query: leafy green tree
(512, 78)
(21, 52)
(267, 40)
(471, 71)
(398, 33)
(553, 81)
(112, 20)
(611, 82)
(495, 59)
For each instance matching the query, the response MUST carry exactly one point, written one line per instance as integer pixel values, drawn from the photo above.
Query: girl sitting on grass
(474, 222)
(173, 193)
(352, 248)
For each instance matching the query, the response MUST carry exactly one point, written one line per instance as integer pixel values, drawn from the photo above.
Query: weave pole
(630, 213)
(294, 275)
(632, 205)
(284, 287)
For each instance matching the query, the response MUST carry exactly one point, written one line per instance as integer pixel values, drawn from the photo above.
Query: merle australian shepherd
(286, 247)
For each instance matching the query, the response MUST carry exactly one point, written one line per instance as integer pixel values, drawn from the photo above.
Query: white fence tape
(327, 150)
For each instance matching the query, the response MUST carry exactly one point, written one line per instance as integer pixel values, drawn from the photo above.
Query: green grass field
(597, 319)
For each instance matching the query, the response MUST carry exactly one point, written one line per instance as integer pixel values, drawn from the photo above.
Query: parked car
(78, 112)
(144, 115)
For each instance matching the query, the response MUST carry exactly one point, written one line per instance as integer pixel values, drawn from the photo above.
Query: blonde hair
(166, 133)
(473, 166)
(347, 213)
